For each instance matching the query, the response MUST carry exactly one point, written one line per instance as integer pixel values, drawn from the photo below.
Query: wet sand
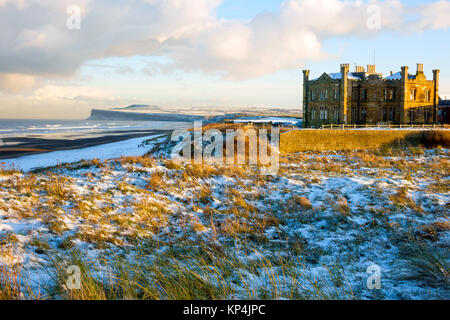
(14, 147)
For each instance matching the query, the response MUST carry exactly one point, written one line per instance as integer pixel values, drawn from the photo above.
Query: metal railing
(386, 126)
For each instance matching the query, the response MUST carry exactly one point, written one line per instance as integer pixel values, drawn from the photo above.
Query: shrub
(303, 202)
(436, 138)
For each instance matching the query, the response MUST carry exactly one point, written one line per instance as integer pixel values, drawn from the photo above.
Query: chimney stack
(306, 75)
(371, 69)
(359, 69)
(420, 68)
(436, 76)
(345, 67)
(405, 73)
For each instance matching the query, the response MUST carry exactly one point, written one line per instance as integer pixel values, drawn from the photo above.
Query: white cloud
(36, 42)
(59, 93)
(434, 16)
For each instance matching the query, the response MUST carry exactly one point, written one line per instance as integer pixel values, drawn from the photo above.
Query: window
(427, 95)
(392, 114)
(427, 115)
(413, 94)
(385, 114)
(363, 114)
(313, 95)
(388, 94)
(336, 94)
(354, 115)
(323, 94)
(323, 113)
(336, 114)
(364, 94)
(411, 116)
(313, 114)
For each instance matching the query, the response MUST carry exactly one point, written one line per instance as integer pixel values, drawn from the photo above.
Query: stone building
(366, 97)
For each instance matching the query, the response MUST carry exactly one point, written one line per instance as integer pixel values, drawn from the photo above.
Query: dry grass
(199, 171)
(10, 288)
(434, 231)
(156, 181)
(221, 232)
(303, 202)
(403, 200)
(426, 265)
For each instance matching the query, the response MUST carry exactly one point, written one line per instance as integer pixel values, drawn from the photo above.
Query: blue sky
(245, 54)
(241, 9)
(392, 50)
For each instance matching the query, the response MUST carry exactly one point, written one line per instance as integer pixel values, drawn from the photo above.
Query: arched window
(413, 94)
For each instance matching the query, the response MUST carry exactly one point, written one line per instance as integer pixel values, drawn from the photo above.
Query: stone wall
(322, 140)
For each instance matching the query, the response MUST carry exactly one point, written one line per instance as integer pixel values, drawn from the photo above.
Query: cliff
(134, 116)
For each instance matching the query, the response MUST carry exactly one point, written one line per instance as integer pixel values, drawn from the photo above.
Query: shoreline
(111, 150)
(26, 146)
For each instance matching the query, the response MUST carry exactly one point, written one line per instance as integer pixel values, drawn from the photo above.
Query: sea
(78, 128)
(69, 130)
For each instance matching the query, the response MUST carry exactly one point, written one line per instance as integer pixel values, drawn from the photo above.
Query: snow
(338, 76)
(395, 76)
(273, 120)
(350, 241)
(101, 152)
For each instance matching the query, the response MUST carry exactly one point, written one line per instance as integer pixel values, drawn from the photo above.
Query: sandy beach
(15, 147)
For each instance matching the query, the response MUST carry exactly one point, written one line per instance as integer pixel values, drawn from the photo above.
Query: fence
(387, 126)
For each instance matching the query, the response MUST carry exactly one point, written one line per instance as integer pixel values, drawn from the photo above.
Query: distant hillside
(140, 107)
(131, 116)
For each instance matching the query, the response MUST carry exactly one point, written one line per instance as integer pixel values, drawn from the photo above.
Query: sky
(59, 59)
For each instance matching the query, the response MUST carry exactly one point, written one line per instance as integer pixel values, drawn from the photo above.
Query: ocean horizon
(69, 128)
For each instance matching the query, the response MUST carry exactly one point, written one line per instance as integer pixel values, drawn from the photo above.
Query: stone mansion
(366, 97)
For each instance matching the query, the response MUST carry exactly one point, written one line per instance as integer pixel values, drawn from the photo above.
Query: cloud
(71, 93)
(434, 16)
(36, 41)
(15, 82)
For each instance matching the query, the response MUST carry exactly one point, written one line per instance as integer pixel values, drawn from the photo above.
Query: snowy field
(148, 228)
(271, 120)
